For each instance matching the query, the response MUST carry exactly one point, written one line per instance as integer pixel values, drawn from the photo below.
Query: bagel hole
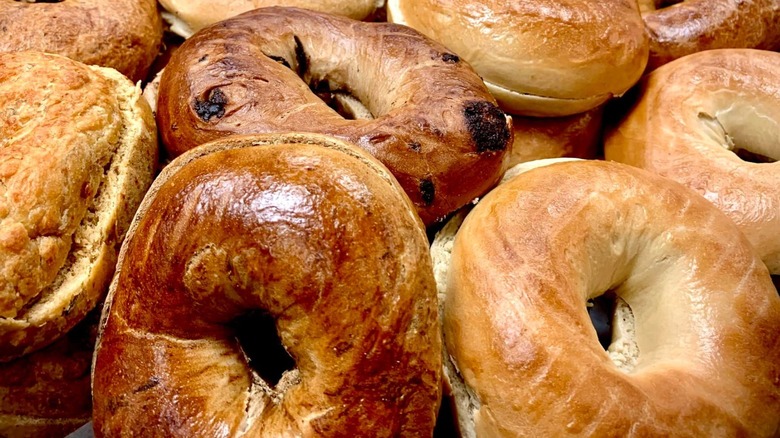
(259, 339)
(342, 101)
(752, 157)
(601, 311)
(776, 282)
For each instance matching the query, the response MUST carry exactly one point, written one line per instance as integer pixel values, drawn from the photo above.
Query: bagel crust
(694, 116)
(435, 126)
(122, 34)
(77, 152)
(534, 250)
(311, 230)
(539, 58)
(696, 25)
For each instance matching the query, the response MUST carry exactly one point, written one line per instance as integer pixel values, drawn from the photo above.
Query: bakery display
(696, 354)
(676, 29)
(312, 232)
(539, 58)
(189, 16)
(435, 126)
(711, 121)
(121, 34)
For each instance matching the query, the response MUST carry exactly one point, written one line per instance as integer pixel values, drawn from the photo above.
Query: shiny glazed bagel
(189, 16)
(77, 152)
(700, 357)
(121, 34)
(693, 26)
(309, 230)
(435, 125)
(711, 121)
(540, 58)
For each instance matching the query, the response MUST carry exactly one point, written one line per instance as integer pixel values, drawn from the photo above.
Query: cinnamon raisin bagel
(435, 126)
(546, 58)
(711, 121)
(701, 358)
(121, 34)
(77, 152)
(310, 231)
(189, 16)
(679, 28)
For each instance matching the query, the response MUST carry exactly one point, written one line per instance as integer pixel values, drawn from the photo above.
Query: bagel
(436, 126)
(546, 58)
(189, 16)
(711, 121)
(309, 230)
(693, 26)
(47, 393)
(77, 151)
(121, 34)
(702, 357)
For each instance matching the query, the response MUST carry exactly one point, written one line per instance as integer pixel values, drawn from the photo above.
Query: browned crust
(689, 115)
(697, 25)
(341, 263)
(121, 34)
(531, 253)
(436, 128)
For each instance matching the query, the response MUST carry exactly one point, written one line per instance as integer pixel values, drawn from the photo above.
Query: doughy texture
(543, 57)
(696, 25)
(695, 120)
(534, 250)
(435, 126)
(310, 230)
(192, 15)
(77, 149)
(121, 34)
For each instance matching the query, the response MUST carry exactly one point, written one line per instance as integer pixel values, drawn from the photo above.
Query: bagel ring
(703, 358)
(122, 34)
(436, 126)
(311, 230)
(701, 120)
(694, 26)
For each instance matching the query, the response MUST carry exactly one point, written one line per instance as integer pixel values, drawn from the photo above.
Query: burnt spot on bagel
(427, 191)
(213, 106)
(415, 146)
(301, 59)
(154, 381)
(487, 125)
(450, 58)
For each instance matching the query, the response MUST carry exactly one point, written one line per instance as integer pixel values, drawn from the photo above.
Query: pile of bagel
(422, 218)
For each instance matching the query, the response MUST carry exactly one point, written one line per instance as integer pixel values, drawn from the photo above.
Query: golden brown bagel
(189, 16)
(314, 232)
(539, 58)
(47, 393)
(436, 126)
(696, 119)
(704, 357)
(121, 34)
(77, 152)
(693, 26)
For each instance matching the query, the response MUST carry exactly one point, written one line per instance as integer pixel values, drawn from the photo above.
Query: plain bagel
(539, 58)
(121, 34)
(77, 152)
(701, 358)
(711, 121)
(693, 26)
(309, 230)
(189, 16)
(435, 126)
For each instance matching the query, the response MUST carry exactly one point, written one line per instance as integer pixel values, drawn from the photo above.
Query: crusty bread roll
(698, 356)
(77, 152)
(189, 16)
(691, 26)
(309, 230)
(711, 121)
(121, 34)
(539, 58)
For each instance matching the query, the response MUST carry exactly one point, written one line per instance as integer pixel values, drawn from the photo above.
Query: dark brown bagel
(436, 126)
(121, 34)
(311, 230)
